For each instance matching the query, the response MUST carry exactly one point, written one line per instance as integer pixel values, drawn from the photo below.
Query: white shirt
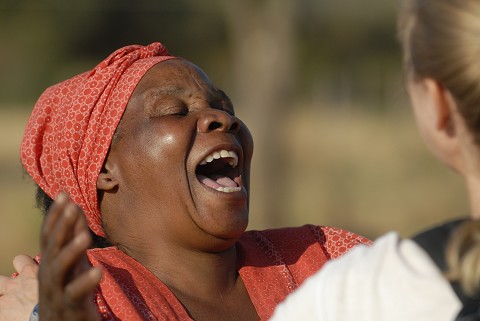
(393, 280)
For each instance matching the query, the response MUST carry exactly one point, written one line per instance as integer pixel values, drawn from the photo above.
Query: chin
(225, 233)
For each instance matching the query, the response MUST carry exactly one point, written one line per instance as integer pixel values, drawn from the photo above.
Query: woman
(152, 152)
(404, 279)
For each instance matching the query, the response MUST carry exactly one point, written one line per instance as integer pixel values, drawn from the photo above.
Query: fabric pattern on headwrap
(72, 124)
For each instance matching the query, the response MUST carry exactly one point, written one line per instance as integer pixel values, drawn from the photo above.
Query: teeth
(222, 154)
(228, 189)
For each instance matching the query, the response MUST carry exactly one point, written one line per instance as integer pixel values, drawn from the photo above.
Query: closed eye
(164, 109)
(163, 102)
(177, 111)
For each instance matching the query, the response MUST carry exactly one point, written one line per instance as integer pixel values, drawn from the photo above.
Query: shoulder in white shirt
(393, 280)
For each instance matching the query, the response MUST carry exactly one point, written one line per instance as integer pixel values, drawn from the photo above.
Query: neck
(192, 273)
(473, 187)
(469, 169)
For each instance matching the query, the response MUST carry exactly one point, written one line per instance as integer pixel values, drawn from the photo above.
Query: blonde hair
(463, 257)
(441, 40)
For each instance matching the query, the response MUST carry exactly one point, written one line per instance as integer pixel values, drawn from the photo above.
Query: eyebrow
(151, 96)
(172, 91)
(168, 91)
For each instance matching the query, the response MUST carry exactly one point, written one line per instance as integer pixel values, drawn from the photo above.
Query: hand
(67, 280)
(19, 295)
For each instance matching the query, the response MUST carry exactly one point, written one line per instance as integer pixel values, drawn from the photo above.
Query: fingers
(3, 284)
(73, 251)
(61, 231)
(53, 213)
(81, 225)
(65, 237)
(61, 254)
(25, 266)
(83, 285)
(22, 262)
(67, 280)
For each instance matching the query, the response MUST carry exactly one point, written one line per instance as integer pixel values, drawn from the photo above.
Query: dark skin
(66, 280)
(160, 205)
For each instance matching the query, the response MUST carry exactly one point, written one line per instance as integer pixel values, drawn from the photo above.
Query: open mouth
(218, 171)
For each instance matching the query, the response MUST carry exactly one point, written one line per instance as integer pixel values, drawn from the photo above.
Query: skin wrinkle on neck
(214, 272)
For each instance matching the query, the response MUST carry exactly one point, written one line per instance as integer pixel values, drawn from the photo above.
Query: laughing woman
(156, 160)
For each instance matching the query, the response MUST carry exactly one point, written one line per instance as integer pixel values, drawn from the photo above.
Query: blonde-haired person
(436, 275)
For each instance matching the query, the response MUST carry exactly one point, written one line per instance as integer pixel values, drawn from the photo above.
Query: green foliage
(46, 42)
(340, 44)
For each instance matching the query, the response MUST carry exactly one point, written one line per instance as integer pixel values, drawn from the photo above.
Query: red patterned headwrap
(71, 126)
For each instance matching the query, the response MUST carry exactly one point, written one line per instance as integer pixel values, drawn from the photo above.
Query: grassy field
(366, 172)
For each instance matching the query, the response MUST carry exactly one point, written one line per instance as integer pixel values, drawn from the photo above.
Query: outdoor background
(318, 82)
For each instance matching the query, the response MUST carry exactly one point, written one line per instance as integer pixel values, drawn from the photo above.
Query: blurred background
(318, 82)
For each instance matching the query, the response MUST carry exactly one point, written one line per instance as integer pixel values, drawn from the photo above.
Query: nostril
(214, 125)
(234, 126)
(217, 125)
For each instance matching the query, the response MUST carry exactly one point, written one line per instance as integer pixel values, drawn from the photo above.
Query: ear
(444, 105)
(440, 123)
(107, 179)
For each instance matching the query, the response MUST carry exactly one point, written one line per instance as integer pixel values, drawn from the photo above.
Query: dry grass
(361, 171)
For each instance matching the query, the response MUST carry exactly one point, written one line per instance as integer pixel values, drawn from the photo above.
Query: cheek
(162, 146)
(162, 140)
(152, 155)
(246, 141)
(163, 158)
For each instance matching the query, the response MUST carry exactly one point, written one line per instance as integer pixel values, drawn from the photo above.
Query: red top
(271, 263)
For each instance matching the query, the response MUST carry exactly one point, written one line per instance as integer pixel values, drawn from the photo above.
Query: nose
(217, 120)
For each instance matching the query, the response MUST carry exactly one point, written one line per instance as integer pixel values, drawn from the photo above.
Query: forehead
(174, 77)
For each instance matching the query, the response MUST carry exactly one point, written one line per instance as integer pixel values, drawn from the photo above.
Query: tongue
(216, 181)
